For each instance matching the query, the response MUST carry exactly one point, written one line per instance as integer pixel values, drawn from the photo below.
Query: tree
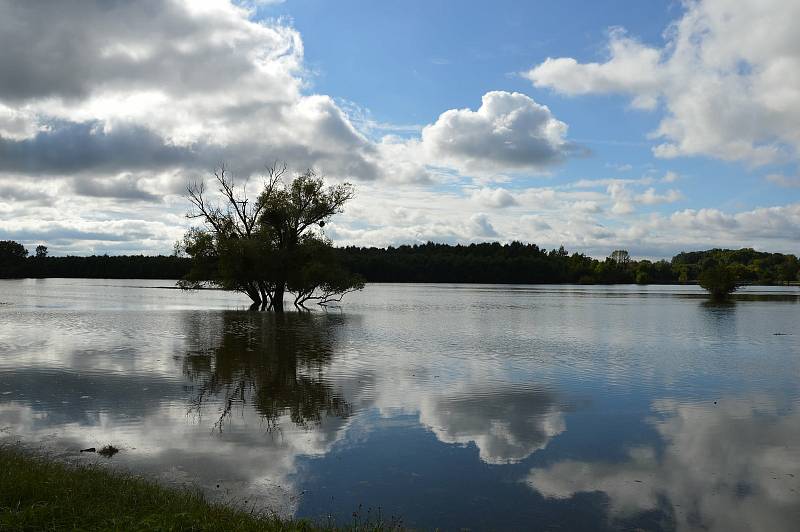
(720, 280)
(291, 212)
(12, 258)
(320, 277)
(41, 252)
(620, 256)
(269, 245)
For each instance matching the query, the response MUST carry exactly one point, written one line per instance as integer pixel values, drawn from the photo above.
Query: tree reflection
(274, 363)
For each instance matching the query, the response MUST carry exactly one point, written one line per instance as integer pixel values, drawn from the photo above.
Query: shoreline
(38, 492)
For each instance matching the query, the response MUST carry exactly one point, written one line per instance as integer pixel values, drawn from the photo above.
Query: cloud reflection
(506, 425)
(264, 380)
(734, 465)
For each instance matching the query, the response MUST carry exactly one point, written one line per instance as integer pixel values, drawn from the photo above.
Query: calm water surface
(489, 407)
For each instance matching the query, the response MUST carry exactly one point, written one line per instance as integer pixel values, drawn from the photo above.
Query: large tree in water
(271, 244)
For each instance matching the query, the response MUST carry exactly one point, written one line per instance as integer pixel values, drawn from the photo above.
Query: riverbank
(40, 494)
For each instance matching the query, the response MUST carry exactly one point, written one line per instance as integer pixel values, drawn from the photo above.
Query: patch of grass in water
(37, 493)
(108, 451)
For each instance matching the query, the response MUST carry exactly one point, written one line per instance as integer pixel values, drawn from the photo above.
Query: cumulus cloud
(480, 226)
(728, 76)
(112, 107)
(631, 67)
(769, 222)
(587, 206)
(124, 101)
(536, 222)
(509, 132)
(625, 199)
(583, 219)
(157, 84)
(495, 198)
(176, 84)
(70, 148)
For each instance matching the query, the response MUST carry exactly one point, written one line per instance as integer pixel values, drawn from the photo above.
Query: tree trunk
(266, 296)
(277, 297)
(252, 292)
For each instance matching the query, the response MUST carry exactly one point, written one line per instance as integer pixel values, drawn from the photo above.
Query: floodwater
(450, 406)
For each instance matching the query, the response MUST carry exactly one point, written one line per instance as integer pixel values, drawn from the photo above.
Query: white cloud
(728, 76)
(587, 206)
(784, 180)
(625, 199)
(631, 67)
(670, 177)
(537, 222)
(480, 226)
(651, 197)
(95, 148)
(620, 167)
(110, 89)
(496, 198)
(596, 183)
(128, 101)
(509, 132)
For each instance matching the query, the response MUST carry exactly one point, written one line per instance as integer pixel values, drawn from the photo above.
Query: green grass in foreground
(40, 494)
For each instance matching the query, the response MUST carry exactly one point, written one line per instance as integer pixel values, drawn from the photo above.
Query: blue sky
(653, 126)
(407, 61)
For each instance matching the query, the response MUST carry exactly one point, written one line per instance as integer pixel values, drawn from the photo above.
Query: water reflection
(274, 364)
(506, 425)
(733, 465)
(576, 408)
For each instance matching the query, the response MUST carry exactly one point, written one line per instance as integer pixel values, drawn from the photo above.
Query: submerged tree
(269, 245)
(720, 280)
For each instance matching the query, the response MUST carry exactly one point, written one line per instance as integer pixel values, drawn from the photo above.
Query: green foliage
(720, 280)
(319, 275)
(38, 494)
(274, 244)
(12, 258)
(515, 263)
(751, 266)
(106, 267)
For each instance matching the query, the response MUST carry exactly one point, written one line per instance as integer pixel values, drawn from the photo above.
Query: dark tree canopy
(12, 258)
(720, 280)
(269, 245)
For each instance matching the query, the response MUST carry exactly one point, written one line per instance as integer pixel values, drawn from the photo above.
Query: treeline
(110, 267)
(15, 263)
(529, 264)
(513, 263)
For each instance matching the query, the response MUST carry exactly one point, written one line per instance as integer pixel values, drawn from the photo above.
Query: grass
(37, 493)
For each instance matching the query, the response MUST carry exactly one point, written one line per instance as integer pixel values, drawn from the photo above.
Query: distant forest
(513, 263)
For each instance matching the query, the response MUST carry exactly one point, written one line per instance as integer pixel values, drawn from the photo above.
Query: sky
(652, 126)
